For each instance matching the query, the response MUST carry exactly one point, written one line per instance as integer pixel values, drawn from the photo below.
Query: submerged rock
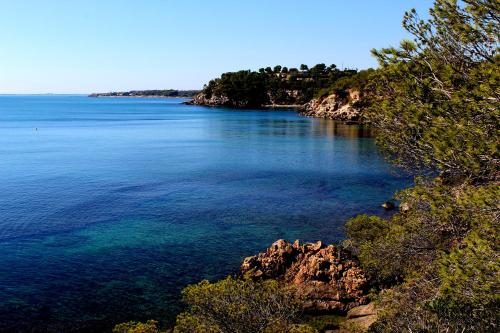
(330, 279)
(388, 205)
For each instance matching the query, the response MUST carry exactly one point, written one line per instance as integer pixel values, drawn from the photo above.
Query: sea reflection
(287, 126)
(332, 128)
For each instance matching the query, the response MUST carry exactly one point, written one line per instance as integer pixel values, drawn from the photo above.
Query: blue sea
(109, 207)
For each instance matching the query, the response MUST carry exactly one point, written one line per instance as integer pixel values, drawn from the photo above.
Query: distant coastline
(168, 93)
(134, 96)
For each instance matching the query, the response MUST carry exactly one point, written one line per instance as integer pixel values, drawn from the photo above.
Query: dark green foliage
(436, 98)
(435, 104)
(245, 88)
(469, 294)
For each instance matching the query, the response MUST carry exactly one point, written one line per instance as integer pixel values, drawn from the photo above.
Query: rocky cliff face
(334, 107)
(328, 277)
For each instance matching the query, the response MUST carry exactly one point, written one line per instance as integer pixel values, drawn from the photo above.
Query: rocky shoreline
(334, 106)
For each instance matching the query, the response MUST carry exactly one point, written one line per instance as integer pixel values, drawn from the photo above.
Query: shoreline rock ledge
(328, 276)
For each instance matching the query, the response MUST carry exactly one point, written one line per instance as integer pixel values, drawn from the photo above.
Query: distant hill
(149, 93)
(278, 86)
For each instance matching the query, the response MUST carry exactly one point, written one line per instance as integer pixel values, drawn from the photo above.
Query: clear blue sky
(82, 46)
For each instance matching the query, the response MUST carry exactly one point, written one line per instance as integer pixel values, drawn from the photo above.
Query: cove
(109, 207)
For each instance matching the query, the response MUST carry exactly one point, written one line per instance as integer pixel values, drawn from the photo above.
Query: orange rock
(328, 276)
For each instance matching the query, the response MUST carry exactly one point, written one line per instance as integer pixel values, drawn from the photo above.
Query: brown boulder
(328, 276)
(360, 318)
(362, 311)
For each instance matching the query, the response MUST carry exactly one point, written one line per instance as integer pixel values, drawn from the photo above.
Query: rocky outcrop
(334, 107)
(217, 100)
(201, 99)
(330, 279)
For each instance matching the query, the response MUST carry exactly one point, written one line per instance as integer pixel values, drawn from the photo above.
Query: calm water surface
(108, 207)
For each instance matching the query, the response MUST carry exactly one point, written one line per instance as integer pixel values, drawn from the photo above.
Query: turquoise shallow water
(108, 207)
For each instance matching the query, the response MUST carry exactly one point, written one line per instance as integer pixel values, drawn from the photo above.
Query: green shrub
(322, 323)
(189, 323)
(238, 306)
(151, 326)
(364, 229)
